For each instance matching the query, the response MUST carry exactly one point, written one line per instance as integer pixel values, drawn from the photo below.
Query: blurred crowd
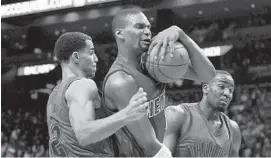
(223, 29)
(23, 134)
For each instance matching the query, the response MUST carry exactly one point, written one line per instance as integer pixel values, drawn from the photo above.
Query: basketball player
(202, 129)
(74, 128)
(144, 137)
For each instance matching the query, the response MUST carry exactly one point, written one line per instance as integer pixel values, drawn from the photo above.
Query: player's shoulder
(175, 109)
(234, 126)
(82, 85)
(236, 133)
(175, 112)
(119, 80)
(188, 106)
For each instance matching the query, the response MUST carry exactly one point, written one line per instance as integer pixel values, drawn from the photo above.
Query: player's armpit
(175, 117)
(120, 88)
(236, 138)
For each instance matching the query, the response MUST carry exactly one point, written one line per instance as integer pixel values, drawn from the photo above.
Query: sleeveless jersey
(127, 144)
(63, 142)
(196, 136)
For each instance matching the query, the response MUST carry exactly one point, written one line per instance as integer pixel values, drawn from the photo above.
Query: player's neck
(70, 71)
(130, 57)
(208, 111)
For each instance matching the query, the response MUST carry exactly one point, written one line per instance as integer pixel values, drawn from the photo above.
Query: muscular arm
(200, 69)
(80, 96)
(236, 139)
(119, 88)
(175, 118)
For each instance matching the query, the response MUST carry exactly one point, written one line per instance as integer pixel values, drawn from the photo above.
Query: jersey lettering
(57, 149)
(207, 150)
(156, 105)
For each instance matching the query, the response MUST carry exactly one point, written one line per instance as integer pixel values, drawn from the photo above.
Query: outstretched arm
(80, 99)
(200, 68)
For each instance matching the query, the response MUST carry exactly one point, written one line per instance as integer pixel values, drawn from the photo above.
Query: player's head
(219, 91)
(77, 50)
(131, 29)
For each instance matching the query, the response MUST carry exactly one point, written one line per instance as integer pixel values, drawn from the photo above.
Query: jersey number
(56, 146)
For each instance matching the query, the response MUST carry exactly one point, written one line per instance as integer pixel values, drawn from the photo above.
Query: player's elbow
(85, 138)
(83, 142)
(81, 137)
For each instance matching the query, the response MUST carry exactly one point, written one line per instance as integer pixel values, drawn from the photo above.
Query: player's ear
(205, 88)
(119, 33)
(75, 57)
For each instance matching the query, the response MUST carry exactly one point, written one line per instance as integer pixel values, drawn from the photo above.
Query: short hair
(218, 72)
(68, 43)
(121, 18)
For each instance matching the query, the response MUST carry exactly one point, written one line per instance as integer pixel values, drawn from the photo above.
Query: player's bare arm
(120, 87)
(200, 68)
(236, 139)
(175, 117)
(80, 98)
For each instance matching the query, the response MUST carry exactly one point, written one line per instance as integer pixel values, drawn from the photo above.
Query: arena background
(235, 34)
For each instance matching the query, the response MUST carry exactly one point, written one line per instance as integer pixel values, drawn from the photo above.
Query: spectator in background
(4, 143)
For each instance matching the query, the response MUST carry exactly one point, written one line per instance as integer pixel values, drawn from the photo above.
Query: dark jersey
(198, 139)
(127, 145)
(63, 142)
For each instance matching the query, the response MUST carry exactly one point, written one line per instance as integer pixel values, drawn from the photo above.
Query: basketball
(170, 68)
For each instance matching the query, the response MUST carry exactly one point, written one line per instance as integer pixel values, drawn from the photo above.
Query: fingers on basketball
(163, 49)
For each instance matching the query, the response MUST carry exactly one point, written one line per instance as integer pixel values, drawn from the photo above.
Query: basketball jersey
(63, 142)
(196, 136)
(127, 144)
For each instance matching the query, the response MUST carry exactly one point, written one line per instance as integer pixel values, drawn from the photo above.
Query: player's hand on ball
(164, 42)
(138, 106)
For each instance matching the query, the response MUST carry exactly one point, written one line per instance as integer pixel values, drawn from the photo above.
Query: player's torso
(155, 95)
(198, 139)
(156, 99)
(63, 141)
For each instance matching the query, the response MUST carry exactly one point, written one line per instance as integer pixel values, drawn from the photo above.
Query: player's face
(220, 92)
(88, 60)
(137, 33)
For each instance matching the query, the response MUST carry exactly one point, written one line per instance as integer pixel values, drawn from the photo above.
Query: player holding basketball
(202, 129)
(132, 32)
(75, 129)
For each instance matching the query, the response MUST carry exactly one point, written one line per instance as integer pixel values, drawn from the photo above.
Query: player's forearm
(100, 129)
(170, 142)
(200, 63)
